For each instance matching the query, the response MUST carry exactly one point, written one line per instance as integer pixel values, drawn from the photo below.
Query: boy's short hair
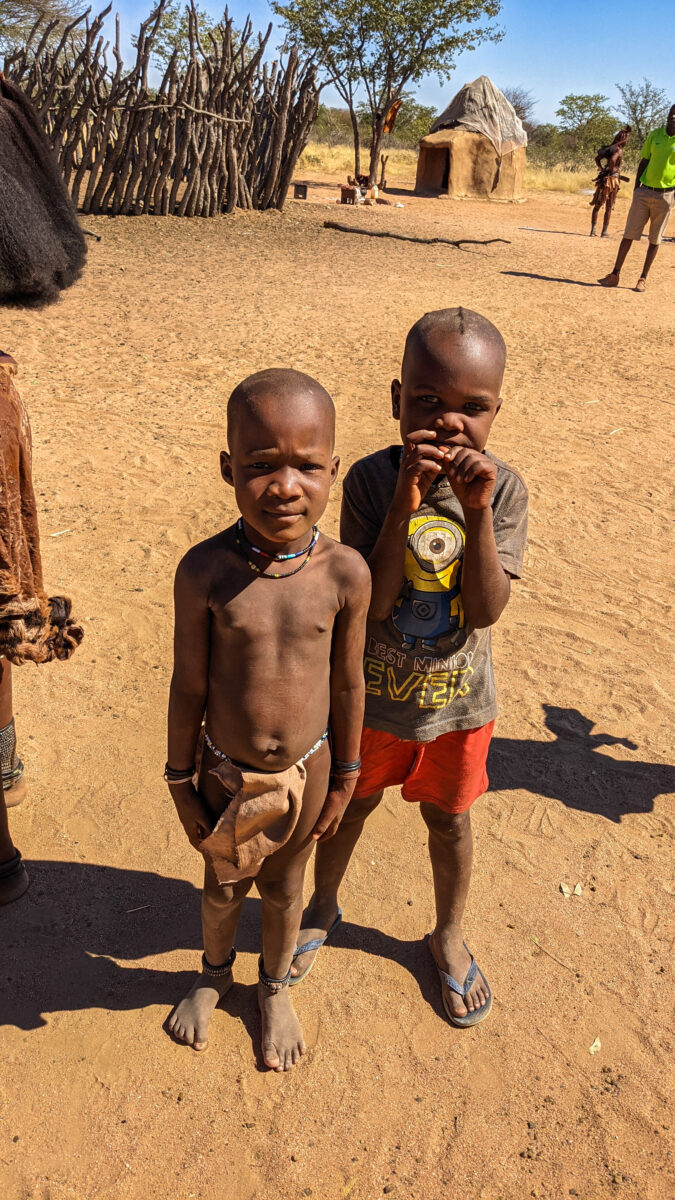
(454, 320)
(247, 396)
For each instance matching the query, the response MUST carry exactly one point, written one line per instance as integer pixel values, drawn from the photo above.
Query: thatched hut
(475, 148)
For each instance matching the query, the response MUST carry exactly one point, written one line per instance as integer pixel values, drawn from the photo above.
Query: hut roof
(480, 107)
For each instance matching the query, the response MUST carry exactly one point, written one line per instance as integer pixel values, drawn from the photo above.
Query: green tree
(644, 107)
(374, 49)
(174, 33)
(19, 17)
(546, 146)
(413, 122)
(332, 126)
(587, 123)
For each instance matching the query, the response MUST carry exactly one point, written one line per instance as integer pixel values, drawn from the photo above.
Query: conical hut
(475, 148)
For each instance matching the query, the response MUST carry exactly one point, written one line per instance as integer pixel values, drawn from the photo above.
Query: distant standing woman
(608, 181)
(653, 200)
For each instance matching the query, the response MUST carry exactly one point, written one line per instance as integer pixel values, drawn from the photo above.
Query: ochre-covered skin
(33, 628)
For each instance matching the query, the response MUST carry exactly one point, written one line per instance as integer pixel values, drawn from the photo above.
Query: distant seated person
(653, 200)
(32, 627)
(608, 182)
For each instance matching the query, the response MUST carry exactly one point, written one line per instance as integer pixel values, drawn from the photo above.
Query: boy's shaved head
(257, 395)
(429, 330)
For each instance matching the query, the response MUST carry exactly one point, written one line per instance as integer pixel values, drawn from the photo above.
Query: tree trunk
(376, 142)
(357, 141)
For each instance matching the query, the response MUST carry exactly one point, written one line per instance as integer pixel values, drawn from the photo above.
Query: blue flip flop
(315, 944)
(479, 1014)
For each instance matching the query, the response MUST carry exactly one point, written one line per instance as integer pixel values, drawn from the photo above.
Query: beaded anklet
(273, 985)
(12, 767)
(224, 969)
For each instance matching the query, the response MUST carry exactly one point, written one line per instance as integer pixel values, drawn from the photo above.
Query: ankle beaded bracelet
(273, 985)
(224, 969)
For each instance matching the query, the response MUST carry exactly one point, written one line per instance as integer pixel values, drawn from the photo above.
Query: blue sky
(549, 48)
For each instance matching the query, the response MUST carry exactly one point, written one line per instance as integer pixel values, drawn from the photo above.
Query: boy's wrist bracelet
(338, 767)
(172, 775)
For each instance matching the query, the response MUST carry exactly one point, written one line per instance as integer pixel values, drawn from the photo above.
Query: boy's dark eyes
(433, 401)
(265, 466)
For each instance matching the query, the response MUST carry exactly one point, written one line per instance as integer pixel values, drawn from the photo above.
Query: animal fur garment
(32, 628)
(42, 248)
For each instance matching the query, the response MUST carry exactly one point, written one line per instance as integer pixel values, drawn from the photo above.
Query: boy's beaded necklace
(242, 540)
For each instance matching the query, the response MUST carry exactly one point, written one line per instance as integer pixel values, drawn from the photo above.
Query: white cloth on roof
(481, 108)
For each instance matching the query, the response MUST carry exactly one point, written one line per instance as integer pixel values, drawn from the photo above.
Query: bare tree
(523, 102)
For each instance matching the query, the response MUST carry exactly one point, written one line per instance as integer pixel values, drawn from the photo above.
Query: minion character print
(430, 605)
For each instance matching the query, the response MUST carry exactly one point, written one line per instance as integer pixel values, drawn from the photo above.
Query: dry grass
(557, 179)
(402, 165)
(339, 160)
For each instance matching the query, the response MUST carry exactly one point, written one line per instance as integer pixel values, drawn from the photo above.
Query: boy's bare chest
(275, 611)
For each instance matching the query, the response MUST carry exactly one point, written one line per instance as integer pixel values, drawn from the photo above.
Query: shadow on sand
(550, 278)
(571, 770)
(560, 232)
(60, 942)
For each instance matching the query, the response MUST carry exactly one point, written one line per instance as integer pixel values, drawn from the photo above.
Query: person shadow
(570, 769)
(550, 278)
(66, 945)
(60, 944)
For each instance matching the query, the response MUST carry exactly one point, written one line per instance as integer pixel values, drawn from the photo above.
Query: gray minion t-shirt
(428, 672)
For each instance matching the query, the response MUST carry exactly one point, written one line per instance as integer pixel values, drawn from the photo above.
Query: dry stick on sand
(558, 960)
(405, 237)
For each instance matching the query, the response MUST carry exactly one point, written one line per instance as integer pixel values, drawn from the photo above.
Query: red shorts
(448, 772)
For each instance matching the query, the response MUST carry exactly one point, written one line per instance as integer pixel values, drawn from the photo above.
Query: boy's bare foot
(317, 922)
(282, 1042)
(451, 955)
(189, 1022)
(641, 284)
(611, 280)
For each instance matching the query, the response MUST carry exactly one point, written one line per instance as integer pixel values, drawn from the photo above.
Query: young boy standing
(269, 629)
(442, 524)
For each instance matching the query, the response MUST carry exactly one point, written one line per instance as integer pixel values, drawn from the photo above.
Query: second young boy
(442, 524)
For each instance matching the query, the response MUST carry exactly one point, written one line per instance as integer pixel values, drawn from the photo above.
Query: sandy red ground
(126, 380)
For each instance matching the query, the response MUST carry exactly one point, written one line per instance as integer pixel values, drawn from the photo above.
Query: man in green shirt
(653, 200)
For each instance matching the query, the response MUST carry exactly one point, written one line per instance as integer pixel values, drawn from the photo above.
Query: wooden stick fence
(224, 131)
